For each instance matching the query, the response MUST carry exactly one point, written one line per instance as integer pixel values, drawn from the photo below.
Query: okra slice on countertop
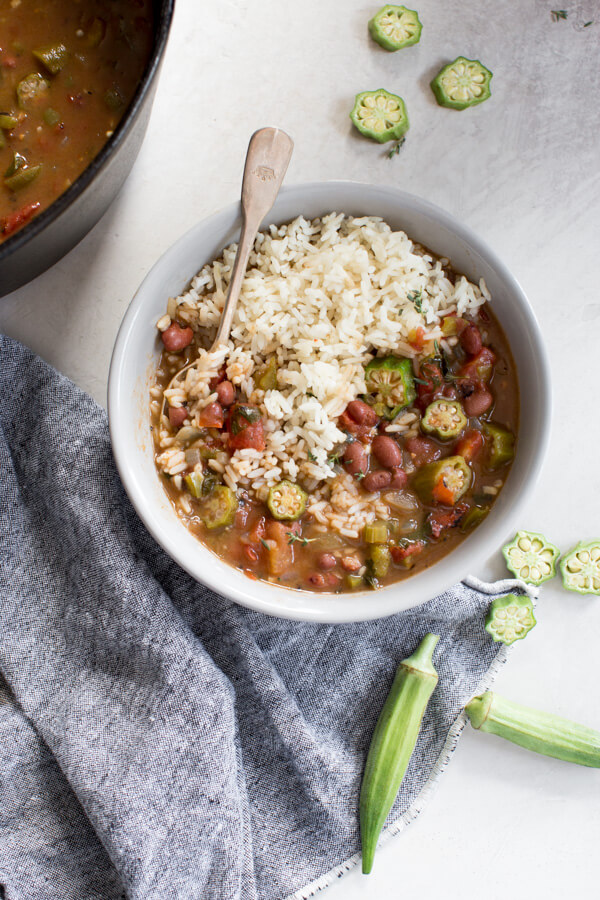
(394, 27)
(510, 618)
(445, 419)
(462, 83)
(580, 568)
(531, 557)
(380, 115)
(390, 385)
(534, 730)
(286, 501)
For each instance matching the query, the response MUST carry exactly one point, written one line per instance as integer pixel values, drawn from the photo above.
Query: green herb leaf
(558, 14)
(396, 147)
(587, 24)
(416, 297)
(296, 538)
(264, 543)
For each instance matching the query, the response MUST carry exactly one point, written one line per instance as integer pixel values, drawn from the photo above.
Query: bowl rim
(262, 596)
(63, 201)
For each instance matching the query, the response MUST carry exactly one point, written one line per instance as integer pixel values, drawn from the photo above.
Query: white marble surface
(522, 170)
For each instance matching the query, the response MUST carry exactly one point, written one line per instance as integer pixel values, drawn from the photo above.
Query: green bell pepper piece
(501, 449)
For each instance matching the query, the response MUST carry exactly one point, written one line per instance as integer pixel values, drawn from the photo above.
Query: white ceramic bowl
(137, 350)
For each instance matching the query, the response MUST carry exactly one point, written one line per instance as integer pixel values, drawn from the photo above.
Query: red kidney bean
(354, 458)
(177, 415)
(386, 451)
(211, 416)
(219, 377)
(450, 392)
(377, 481)
(351, 563)
(326, 561)
(478, 402)
(176, 338)
(399, 478)
(316, 579)
(362, 413)
(422, 450)
(331, 579)
(226, 393)
(470, 340)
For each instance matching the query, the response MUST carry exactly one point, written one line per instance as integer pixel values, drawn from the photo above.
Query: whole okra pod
(393, 742)
(538, 731)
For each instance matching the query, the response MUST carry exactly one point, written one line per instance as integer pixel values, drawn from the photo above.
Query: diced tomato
(405, 555)
(442, 519)
(479, 369)
(442, 494)
(10, 224)
(470, 445)
(251, 553)
(280, 554)
(250, 438)
(258, 531)
(431, 374)
(211, 416)
(417, 339)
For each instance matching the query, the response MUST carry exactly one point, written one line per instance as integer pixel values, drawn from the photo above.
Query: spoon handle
(267, 159)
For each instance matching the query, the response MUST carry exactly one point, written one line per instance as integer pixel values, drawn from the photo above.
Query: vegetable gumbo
(68, 71)
(422, 440)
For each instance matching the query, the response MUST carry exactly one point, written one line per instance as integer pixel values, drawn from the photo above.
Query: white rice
(323, 297)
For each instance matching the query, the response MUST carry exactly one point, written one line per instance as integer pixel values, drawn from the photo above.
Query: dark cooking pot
(57, 229)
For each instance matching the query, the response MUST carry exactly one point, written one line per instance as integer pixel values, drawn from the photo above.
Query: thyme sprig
(396, 147)
(558, 14)
(297, 538)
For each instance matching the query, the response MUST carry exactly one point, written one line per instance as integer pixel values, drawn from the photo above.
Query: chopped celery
(194, 483)
(52, 56)
(501, 448)
(51, 117)
(354, 581)
(375, 533)
(380, 560)
(267, 380)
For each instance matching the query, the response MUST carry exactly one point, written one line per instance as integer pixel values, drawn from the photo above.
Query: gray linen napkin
(157, 741)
